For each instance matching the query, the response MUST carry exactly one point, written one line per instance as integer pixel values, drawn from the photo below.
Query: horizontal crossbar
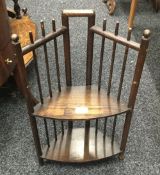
(42, 41)
(118, 39)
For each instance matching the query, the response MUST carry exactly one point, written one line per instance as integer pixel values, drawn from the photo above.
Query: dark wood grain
(84, 103)
(77, 145)
(80, 103)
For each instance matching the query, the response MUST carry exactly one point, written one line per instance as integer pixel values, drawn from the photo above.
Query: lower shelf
(80, 145)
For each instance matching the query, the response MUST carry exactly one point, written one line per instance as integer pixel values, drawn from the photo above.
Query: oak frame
(32, 103)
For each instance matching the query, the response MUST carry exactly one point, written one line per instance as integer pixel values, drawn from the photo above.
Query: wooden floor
(80, 145)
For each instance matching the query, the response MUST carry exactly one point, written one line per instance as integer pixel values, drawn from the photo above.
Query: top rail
(78, 13)
(118, 39)
(43, 40)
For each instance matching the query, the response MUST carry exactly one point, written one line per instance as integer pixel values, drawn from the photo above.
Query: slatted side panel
(111, 72)
(137, 70)
(48, 76)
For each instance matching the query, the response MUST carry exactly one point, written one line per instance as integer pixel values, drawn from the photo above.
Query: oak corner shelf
(89, 103)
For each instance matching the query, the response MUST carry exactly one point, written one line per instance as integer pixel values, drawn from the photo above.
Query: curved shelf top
(80, 103)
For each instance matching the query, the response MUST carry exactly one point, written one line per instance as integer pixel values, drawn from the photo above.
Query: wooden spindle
(87, 124)
(112, 60)
(101, 63)
(114, 128)
(46, 60)
(39, 83)
(46, 129)
(104, 129)
(55, 129)
(57, 64)
(56, 55)
(96, 130)
(101, 56)
(124, 65)
(36, 68)
(62, 127)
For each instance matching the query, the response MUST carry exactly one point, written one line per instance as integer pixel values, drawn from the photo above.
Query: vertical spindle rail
(57, 67)
(114, 129)
(21, 68)
(39, 83)
(67, 55)
(101, 56)
(96, 130)
(104, 129)
(46, 130)
(90, 42)
(55, 129)
(112, 59)
(56, 55)
(110, 77)
(62, 127)
(46, 59)
(124, 65)
(101, 64)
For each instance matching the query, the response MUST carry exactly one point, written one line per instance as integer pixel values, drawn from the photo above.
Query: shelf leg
(125, 132)
(36, 138)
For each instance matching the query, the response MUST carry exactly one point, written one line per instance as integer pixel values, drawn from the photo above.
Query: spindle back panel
(105, 35)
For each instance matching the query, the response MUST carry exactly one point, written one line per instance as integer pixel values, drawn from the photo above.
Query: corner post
(134, 88)
(31, 101)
